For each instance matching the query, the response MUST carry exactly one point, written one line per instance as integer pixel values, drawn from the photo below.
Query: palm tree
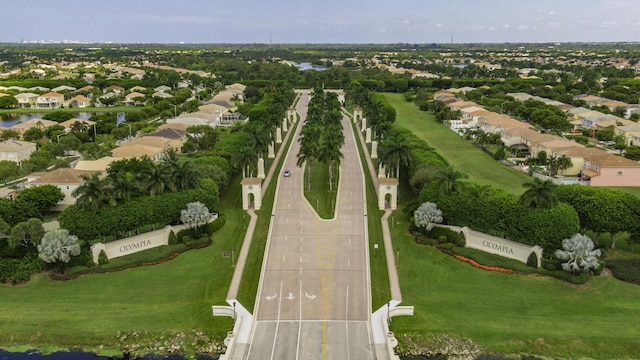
(158, 180)
(394, 153)
(539, 194)
(564, 163)
(93, 193)
(449, 180)
(307, 153)
(478, 191)
(246, 159)
(329, 153)
(125, 186)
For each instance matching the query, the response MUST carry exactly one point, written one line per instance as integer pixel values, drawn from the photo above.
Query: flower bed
(484, 267)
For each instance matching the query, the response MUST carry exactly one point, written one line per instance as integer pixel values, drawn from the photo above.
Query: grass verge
(380, 292)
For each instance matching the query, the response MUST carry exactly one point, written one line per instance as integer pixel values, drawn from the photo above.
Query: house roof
(67, 124)
(86, 88)
(78, 98)
(520, 131)
(26, 96)
(135, 151)
(608, 160)
(224, 95)
(538, 138)
(237, 86)
(14, 145)
(61, 176)
(34, 123)
(134, 95)
(63, 88)
(177, 126)
(148, 141)
(560, 143)
(162, 88)
(574, 151)
(167, 133)
(51, 94)
(138, 88)
(162, 94)
(212, 108)
(95, 165)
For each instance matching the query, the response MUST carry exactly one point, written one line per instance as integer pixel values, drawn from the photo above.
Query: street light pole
(175, 111)
(234, 311)
(58, 136)
(129, 129)
(388, 313)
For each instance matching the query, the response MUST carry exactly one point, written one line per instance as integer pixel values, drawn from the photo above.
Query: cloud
(438, 25)
(406, 21)
(180, 19)
(551, 13)
(523, 27)
(384, 29)
(506, 26)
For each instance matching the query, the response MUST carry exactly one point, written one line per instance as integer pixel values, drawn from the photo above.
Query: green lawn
(465, 157)
(514, 314)
(163, 299)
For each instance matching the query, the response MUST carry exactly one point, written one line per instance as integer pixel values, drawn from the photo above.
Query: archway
(251, 193)
(387, 193)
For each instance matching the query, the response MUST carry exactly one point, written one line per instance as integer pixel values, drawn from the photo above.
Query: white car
(287, 173)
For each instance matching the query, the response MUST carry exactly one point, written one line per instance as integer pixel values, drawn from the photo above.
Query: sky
(321, 21)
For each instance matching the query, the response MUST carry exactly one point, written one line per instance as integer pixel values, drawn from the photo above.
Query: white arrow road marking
(290, 297)
(271, 297)
(309, 296)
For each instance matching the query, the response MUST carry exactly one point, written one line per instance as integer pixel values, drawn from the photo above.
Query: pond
(10, 119)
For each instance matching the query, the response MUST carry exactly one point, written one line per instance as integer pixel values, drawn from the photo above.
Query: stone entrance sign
(500, 246)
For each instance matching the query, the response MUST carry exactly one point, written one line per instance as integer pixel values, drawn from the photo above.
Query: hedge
(135, 213)
(627, 270)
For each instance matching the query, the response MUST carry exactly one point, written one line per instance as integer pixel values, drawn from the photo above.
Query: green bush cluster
(131, 215)
(218, 223)
(443, 235)
(501, 214)
(627, 270)
(19, 270)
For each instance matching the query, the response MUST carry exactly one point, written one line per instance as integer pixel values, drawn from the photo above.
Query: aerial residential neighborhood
(288, 183)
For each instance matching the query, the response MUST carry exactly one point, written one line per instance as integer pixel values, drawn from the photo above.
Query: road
(313, 300)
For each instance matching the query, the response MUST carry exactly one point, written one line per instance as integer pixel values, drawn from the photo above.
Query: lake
(10, 119)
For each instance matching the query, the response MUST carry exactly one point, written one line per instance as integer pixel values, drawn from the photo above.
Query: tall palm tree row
(322, 137)
(129, 179)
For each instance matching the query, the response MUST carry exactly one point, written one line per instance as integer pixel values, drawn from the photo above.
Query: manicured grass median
(321, 197)
(465, 157)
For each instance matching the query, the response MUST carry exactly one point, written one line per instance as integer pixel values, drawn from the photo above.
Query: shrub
(447, 246)
(460, 240)
(443, 234)
(601, 265)
(579, 279)
(173, 239)
(102, 258)
(218, 223)
(532, 260)
(627, 270)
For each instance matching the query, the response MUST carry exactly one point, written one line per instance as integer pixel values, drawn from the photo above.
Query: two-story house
(50, 100)
(17, 151)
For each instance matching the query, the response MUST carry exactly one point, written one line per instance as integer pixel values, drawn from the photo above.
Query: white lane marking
(290, 297)
(299, 322)
(275, 336)
(348, 262)
(284, 257)
(346, 323)
(271, 297)
(310, 296)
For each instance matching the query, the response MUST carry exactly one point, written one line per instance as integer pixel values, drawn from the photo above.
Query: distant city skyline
(325, 21)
